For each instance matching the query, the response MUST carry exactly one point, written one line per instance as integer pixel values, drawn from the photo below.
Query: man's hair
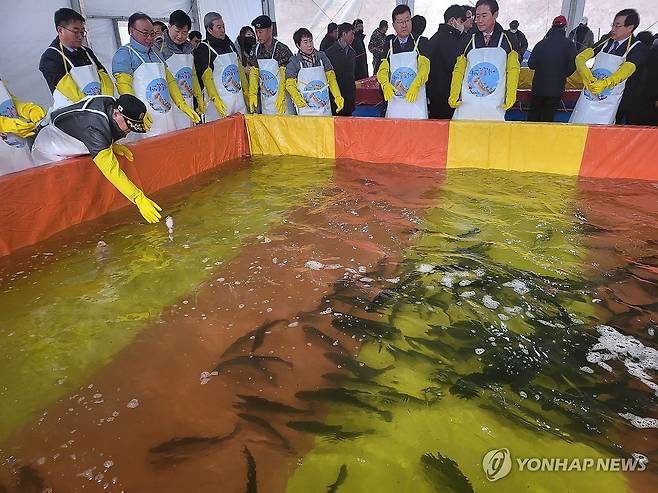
(301, 34)
(469, 7)
(492, 4)
(209, 18)
(399, 10)
(194, 34)
(645, 37)
(162, 25)
(357, 22)
(180, 19)
(632, 17)
(418, 25)
(138, 16)
(455, 12)
(64, 16)
(345, 27)
(383, 24)
(332, 26)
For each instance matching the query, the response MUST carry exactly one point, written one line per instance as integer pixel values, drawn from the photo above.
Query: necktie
(487, 38)
(614, 47)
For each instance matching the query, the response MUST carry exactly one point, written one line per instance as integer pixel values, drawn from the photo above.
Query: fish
(257, 420)
(470, 233)
(444, 474)
(383, 298)
(342, 396)
(358, 369)
(252, 485)
(262, 404)
(316, 427)
(257, 336)
(256, 362)
(342, 476)
(186, 444)
(29, 481)
(311, 333)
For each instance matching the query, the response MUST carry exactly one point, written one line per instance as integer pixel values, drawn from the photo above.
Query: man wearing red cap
(553, 60)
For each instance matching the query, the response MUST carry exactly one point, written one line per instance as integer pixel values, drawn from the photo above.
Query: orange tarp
(40, 202)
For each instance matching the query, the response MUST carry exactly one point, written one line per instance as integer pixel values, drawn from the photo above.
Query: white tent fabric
(235, 13)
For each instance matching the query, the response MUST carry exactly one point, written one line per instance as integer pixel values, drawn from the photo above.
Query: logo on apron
(269, 85)
(8, 109)
(92, 89)
(483, 79)
(231, 78)
(316, 94)
(599, 73)
(184, 81)
(157, 94)
(401, 80)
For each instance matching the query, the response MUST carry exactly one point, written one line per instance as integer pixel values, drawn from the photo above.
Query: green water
(499, 326)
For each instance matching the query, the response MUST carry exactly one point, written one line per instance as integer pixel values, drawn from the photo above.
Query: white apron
(269, 85)
(180, 65)
(150, 85)
(314, 88)
(14, 151)
(52, 144)
(86, 77)
(601, 109)
(483, 88)
(404, 69)
(226, 76)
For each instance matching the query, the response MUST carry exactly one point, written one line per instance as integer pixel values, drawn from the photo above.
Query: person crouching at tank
(93, 126)
(309, 78)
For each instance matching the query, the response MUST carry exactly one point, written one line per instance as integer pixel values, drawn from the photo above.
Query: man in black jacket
(553, 60)
(343, 58)
(359, 45)
(518, 39)
(329, 38)
(444, 48)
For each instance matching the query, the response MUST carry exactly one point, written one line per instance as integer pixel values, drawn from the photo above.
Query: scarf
(309, 60)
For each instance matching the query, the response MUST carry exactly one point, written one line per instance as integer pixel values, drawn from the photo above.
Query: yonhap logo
(497, 464)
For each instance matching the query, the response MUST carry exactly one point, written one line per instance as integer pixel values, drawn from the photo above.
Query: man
(309, 78)
(159, 27)
(221, 71)
(445, 46)
(582, 36)
(329, 38)
(610, 84)
(195, 39)
(644, 110)
(405, 70)
(361, 71)
(378, 44)
(267, 75)
(343, 59)
(177, 51)
(518, 39)
(140, 70)
(418, 25)
(469, 25)
(92, 126)
(18, 120)
(493, 70)
(72, 71)
(553, 60)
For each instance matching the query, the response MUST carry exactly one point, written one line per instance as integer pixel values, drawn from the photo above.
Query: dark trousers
(348, 108)
(439, 109)
(543, 108)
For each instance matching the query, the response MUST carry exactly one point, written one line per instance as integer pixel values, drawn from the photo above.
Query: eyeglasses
(82, 33)
(147, 34)
(402, 22)
(617, 25)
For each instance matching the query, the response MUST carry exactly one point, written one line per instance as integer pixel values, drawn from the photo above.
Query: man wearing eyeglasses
(71, 70)
(140, 69)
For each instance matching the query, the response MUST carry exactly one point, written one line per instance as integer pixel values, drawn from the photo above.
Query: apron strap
(274, 49)
(631, 46)
(130, 48)
(87, 100)
(65, 59)
(500, 41)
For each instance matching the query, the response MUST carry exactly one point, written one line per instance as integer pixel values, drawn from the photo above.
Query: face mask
(249, 44)
(456, 25)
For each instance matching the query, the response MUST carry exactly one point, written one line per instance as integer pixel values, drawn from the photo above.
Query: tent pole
(573, 10)
(79, 6)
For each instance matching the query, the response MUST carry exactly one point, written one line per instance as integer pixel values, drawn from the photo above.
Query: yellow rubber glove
(384, 79)
(244, 83)
(68, 87)
(335, 90)
(280, 103)
(107, 86)
(297, 98)
(458, 74)
(625, 70)
(421, 79)
(29, 111)
(122, 150)
(254, 81)
(107, 162)
(512, 79)
(583, 70)
(124, 83)
(178, 98)
(148, 121)
(213, 95)
(198, 93)
(16, 126)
